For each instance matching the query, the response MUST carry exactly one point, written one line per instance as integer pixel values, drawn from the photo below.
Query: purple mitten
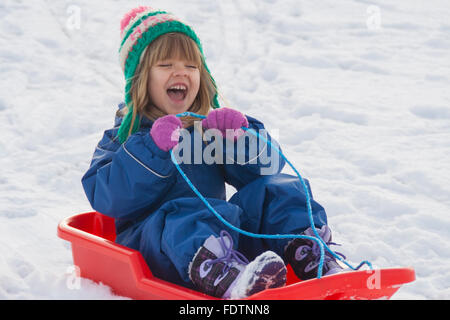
(226, 118)
(166, 132)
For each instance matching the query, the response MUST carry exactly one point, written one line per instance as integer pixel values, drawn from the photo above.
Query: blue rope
(317, 239)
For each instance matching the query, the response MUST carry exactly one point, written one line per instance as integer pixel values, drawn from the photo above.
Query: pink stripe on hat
(130, 16)
(137, 33)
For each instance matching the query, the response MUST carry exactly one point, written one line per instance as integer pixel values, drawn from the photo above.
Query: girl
(132, 178)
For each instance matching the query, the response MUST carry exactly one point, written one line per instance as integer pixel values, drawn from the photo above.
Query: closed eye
(169, 65)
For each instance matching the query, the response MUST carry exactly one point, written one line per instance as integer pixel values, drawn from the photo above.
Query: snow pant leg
(274, 204)
(171, 236)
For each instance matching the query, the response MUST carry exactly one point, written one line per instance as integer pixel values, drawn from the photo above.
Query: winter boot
(304, 255)
(222, 272)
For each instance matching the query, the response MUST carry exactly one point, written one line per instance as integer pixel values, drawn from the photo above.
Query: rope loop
(317, 238)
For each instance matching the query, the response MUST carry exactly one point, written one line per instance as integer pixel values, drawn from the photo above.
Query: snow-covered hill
(357, 93)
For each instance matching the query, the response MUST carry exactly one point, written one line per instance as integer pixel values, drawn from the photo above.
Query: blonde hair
(169, 46)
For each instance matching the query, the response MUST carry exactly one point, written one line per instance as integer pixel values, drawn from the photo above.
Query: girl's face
(173, 85)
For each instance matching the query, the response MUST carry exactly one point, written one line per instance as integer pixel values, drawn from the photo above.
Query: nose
(179, 70)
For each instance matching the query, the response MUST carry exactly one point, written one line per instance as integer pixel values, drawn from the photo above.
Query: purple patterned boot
(304, 255)
(222, 272)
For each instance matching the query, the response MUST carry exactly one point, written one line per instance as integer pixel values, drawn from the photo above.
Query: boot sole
(272, 275)
(268, 271)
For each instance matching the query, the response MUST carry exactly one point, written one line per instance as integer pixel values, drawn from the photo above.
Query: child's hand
(226, 118)
(166, 132)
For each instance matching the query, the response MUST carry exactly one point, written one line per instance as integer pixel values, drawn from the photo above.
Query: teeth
(178, 87)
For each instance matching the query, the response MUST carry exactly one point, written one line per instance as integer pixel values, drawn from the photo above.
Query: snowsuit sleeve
(251, 157)
(128, 180)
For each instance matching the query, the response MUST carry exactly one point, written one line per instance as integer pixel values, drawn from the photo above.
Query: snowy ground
(356, 91)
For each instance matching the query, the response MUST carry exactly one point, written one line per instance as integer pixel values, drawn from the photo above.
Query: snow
(355, 91)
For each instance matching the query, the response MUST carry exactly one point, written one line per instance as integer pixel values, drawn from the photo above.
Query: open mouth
(177, 92)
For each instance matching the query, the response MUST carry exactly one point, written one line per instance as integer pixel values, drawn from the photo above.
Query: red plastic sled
(98, 258)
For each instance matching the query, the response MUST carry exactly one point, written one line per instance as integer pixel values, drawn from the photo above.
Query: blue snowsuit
(158, 214)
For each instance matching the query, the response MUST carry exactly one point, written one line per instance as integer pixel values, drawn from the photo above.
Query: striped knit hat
(139, 28)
